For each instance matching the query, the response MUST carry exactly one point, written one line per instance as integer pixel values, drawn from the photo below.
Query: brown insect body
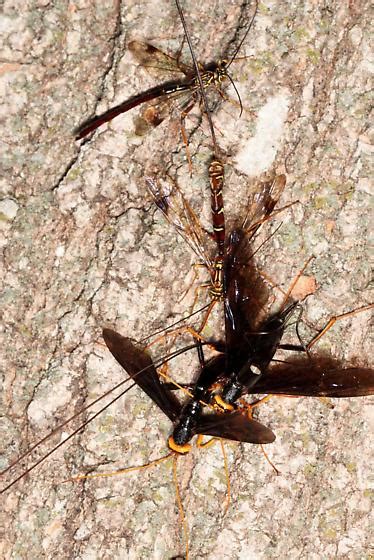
(213, 74)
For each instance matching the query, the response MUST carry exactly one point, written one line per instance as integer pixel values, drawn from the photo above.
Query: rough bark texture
(84, 247)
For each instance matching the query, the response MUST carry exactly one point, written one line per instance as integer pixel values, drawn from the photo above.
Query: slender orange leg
(271, 282)
(209, 443)
(143, 467)
(203, 444)
(250, 406)
(256, 225)
(168, 379)
(197, 290)
(333, 320)
(162, 371)
(187, 330)
(216, 128)
(178, 54)
(226, 466)
(259, 402)
(180, 505)
(196, 276)
(175, 333)
(121, 471)
(184, 133)
(235, 103)
(277, 472)
(205, 320)
(294, 282)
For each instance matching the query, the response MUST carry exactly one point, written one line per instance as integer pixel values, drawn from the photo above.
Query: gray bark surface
(83, 247)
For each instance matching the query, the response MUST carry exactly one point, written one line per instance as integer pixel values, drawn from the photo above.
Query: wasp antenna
(245, 36)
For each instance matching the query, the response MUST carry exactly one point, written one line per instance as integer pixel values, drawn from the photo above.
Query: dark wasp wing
(245, 290)
(316, 378)
(141, 369)
(178, 212)
(157, 61)
(262, 202)
(234, 426)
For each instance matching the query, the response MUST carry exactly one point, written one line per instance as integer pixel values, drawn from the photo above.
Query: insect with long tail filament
(185, 90)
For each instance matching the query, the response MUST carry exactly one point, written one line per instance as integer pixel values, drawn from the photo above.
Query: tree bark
(84, 247)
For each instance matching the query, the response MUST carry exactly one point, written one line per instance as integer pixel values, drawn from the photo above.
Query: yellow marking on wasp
(222, 404)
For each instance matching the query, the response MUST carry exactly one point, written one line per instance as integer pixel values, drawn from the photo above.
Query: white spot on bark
(260, 151)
